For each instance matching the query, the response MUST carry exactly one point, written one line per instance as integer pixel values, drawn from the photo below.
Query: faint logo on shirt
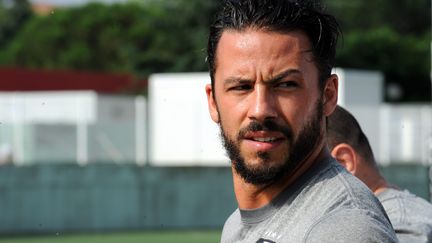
(261, 240)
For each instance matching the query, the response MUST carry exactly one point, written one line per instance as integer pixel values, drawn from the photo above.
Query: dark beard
(297, 153)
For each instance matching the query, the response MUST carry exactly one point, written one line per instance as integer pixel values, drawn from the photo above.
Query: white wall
(181, 131)
(72, 126)
(360, 87)
(48, 107)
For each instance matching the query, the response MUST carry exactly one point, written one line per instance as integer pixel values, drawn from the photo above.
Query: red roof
(13, 79)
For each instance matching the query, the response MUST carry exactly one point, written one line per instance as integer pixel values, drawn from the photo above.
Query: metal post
(18, 133)
(140, 130)
(82, 132)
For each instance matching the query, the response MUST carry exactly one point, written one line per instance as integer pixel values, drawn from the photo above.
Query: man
(270, 65)
(411, 216)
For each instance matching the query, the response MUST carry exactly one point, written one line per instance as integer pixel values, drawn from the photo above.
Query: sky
(72, 2)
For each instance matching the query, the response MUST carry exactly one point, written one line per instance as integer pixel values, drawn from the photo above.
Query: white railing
(398, 133)
(80, 127)
(85, 127)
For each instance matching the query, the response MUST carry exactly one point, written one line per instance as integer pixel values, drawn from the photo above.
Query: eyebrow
(230, 80)
(275, 79)
(282, 75)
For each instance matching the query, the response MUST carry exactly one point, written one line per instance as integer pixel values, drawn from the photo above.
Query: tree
(390, 36)
(13, 14)
(139, 38)
(144, 37)
(403, 59)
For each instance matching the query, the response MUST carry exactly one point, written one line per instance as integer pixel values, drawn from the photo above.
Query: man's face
(267, 102)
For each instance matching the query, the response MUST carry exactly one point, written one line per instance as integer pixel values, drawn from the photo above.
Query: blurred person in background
(6, 152)
(271, 90)
(410, 215)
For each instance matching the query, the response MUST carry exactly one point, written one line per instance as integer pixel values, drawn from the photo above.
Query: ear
(330, 94)
(214, 113)
(346, 156)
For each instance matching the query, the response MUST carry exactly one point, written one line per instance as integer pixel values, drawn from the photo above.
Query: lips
(263, 136)
(263, 140)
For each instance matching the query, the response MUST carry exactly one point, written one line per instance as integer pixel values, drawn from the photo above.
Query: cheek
(296, 112)
(292, 111)
(231, 106)
(232, 116)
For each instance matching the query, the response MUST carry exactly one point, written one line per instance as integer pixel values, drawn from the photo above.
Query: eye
(286, 84)
(241, 87)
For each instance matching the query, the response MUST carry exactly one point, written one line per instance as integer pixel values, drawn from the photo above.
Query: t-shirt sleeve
(351, 226)
(414, 232)
(410, 215)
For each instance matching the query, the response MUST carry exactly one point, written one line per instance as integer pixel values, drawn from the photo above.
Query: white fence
(86, 128)
(398, 133)
(75, 127)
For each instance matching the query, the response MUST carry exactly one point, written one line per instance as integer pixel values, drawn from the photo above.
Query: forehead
(262, 50)
(254, 37)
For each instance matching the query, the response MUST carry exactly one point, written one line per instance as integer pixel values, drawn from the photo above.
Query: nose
(262, 104)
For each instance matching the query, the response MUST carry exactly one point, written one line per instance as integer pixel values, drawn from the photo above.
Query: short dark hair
(280, 16)
(342, 127)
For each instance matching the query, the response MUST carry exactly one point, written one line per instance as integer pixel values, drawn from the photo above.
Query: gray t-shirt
(410, 215)
(326, 204)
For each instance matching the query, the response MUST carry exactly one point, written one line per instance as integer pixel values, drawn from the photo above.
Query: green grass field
(125, 237)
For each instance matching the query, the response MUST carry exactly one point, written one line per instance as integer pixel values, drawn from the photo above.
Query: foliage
(133, 37)
(403, 16)
(404, 59)
(13, 14)
(390, 36)
(144, 37)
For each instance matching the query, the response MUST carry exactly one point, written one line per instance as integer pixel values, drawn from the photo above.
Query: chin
(264, 163)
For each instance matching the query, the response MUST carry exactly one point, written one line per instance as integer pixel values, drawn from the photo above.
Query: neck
(379, 186)
(375, 181)
(250, 196)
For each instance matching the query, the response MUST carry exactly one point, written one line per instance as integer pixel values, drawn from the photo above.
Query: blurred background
(104, 125)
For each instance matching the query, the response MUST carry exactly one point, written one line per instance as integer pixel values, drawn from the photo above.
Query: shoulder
(345, 210)
(410, 215)
(231, 226)
(336, 184)
(405, 204)
(351, 225)
(391, 195)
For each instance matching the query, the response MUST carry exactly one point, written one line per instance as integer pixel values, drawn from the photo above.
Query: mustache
(267, 125)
